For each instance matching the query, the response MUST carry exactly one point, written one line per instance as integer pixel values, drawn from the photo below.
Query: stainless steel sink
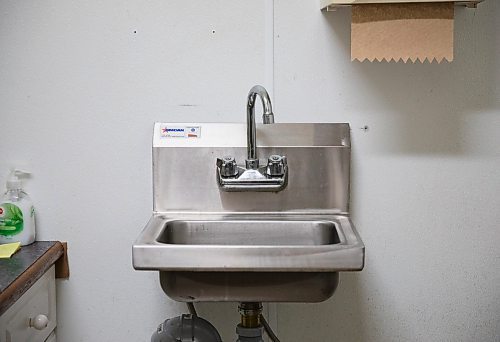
(249, 257)
(249, 244)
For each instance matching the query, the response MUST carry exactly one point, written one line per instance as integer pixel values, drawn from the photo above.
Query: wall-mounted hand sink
(275, 228)
(249, 256)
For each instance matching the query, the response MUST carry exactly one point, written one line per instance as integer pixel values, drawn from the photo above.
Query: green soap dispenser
(17, 215)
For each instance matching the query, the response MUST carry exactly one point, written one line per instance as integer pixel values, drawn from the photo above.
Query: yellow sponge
(8, 249)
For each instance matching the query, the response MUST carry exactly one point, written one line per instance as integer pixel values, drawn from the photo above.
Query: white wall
(425, 181)
(82, 83)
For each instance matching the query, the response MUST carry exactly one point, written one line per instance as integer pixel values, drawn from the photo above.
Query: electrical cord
(268, 329)
(191, 308)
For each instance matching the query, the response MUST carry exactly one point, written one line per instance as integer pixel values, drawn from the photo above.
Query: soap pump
(17, 215)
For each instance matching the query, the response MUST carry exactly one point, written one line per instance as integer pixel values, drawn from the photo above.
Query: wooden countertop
(24, 268)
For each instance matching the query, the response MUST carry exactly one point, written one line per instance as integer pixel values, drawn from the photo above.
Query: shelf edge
(332, 5)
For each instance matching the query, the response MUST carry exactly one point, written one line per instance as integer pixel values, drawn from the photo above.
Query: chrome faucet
(267, 117)
(252, 177)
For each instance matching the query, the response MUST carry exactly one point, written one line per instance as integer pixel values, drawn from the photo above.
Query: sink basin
(271, 257)
(246, 232)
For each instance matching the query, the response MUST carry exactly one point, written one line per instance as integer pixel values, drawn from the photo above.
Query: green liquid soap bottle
(17, 215)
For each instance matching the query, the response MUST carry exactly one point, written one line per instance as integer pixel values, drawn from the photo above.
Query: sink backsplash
(184, 166)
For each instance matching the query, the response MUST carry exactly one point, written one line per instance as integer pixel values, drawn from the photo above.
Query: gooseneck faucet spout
(273, 176)
(252, 161)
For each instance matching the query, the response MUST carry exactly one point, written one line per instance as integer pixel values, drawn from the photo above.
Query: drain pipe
(253, 324)
(250, 329)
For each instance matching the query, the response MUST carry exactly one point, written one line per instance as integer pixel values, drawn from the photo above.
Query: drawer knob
(40, 322)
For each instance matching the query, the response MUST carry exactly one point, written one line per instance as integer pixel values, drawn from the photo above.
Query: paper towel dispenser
(401, 30)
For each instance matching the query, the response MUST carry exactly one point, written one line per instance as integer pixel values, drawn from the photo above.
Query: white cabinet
(33, 316)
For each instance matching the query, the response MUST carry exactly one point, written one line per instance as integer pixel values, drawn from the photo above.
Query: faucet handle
(227, 166)
(276, 165)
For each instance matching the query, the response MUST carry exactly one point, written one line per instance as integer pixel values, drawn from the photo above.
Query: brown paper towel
(402, 32)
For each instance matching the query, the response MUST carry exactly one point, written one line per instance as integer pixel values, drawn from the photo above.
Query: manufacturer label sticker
(168, 131)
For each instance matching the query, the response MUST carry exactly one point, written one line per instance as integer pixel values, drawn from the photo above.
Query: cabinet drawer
(40, 299)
